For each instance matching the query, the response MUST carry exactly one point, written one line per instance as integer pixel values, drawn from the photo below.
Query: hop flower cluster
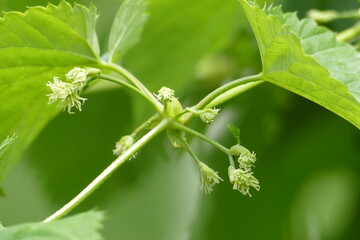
(247, 160)
(243, 178)
(207, 115)
(123, 144)
(165, 95)
(67, 93)
(208, 178)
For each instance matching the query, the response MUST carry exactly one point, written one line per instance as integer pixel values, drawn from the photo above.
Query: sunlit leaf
(35, 46)
(306, 59)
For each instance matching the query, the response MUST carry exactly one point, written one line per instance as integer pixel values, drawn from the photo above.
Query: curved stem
(128, 86)
(107, 172)
(145, 125)
(349, 33)
(201, 136)
(226, 88)
(190, 151)
(131, 78)
(231, 161)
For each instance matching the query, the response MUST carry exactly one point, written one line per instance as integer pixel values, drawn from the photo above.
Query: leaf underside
(306, 59)
(127, 28)
(35, 46)
(78, 227)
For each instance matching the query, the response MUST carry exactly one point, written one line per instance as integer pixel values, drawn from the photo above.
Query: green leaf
(306, 59)
(78, 227)
(35, 46)
(127, 28)
(5, 145)
(235, 131)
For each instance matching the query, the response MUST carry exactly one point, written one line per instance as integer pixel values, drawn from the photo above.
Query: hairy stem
(131, 78)
(107, 172)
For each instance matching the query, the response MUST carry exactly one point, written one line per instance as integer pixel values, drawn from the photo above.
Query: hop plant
(165, 94)
(208, 178)
(123, 144)
(247, 160)
(208, 115)
(243, 180)
(67, 93)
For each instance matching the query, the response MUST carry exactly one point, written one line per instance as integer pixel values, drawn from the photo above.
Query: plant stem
(201, 136)
(190, 151)
(107, 172)
(128, 86)
(131, 78)
(349, 33)
(223, 94)
(145, 125)
(224, 90)
(233, 92)
(231, 161)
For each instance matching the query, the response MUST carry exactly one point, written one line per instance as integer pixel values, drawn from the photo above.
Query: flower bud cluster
(207, 115)
(208, 178)
(243, 178)
(66, 93)
(123, 144)
(165, 95)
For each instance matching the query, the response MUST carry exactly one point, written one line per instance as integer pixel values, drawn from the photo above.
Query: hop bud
(66, 93)
(165, 94)
(123, 144)
(208, 115)
(247, 159)
(79, 75)
(237, 150)
(243, 180)
(208, 178)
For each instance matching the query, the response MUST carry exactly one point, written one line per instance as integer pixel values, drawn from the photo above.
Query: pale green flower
(66, 94)
(208, 178)
(79, 76)
(243, 180)
(165, 94)
(123, 144)
(208, 115)
(247, 160)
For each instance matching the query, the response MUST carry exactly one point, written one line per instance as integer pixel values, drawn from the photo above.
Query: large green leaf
(127, 27)
(306, 59)
(35, 46)
(79, 227)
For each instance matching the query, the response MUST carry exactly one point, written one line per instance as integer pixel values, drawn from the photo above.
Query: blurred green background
(308, 158)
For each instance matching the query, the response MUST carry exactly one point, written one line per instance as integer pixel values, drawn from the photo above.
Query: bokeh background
(308, 158)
